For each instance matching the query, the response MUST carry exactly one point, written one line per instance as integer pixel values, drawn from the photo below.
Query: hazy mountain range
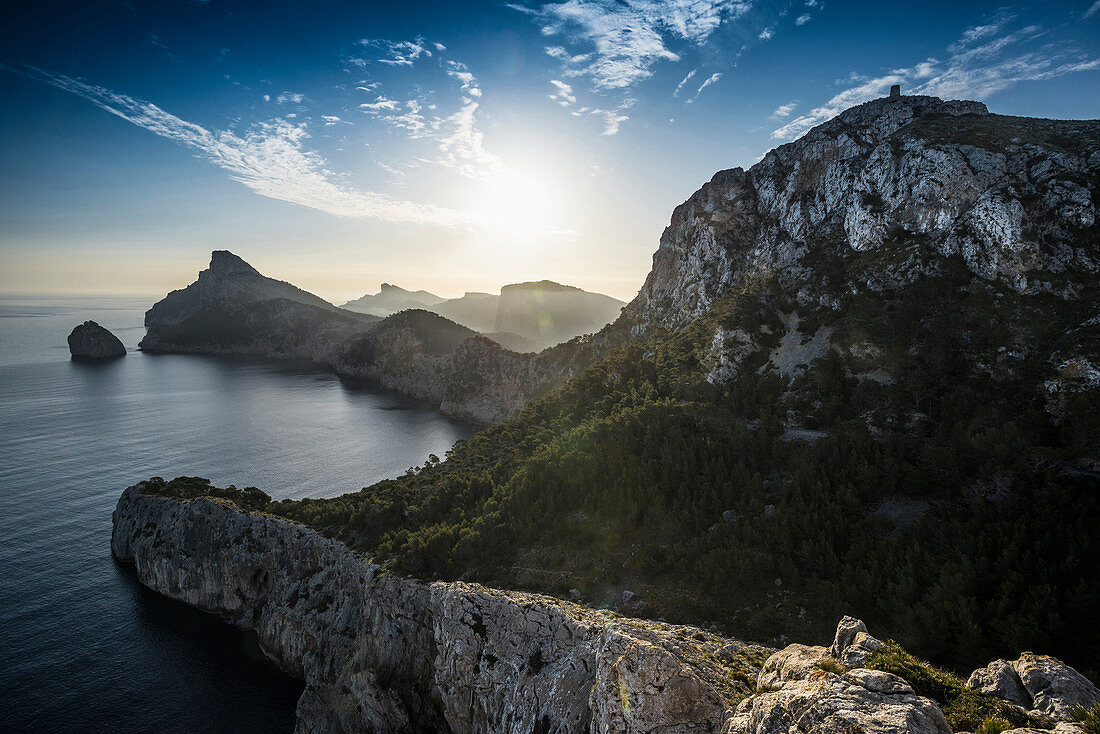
(523, 317)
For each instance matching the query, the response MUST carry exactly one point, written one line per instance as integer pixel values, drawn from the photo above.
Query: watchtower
(895, 91)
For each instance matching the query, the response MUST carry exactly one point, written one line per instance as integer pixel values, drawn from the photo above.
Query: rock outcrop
(232, 309)
(90, 341)
(1037, 683)
(381, 653)
(1010, 195)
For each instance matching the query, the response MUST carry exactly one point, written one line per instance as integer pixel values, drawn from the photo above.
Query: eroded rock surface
(1038, 683)
(380, 653)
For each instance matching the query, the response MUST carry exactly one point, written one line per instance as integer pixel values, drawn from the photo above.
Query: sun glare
(518, 207)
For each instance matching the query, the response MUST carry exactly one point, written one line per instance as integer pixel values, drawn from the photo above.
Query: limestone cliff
(381, 653)
(1012, 196)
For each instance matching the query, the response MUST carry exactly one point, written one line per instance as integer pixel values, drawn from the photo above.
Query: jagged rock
(852, 644)
(794, 662)
(999, 679)
(92, 341)
(824, 703)
(1039, 683)
(381, 653)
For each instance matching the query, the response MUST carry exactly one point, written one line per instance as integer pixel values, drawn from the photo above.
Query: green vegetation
(993, 725)
(1089, 718)
(965, 709)
(831, 665)
(249, 499)
(640, 474)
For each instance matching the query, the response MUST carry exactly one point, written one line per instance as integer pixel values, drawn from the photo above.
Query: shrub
(965, 708)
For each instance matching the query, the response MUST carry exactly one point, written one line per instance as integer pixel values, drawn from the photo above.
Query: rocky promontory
(232, 309)
(90, 341)
(381, 653)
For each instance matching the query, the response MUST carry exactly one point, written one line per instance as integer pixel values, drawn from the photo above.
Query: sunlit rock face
(380, 653)
(1013, 197)
(90, 341)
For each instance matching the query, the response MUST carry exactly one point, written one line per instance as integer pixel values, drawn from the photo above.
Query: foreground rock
(1037, 683)
(380, 653)
(856, 701)
(92, 341)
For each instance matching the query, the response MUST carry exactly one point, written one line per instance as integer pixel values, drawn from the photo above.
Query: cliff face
(381, 653)
(232, 309)
(1014, 197)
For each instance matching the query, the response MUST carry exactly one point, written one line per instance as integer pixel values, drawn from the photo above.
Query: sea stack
(91, 341)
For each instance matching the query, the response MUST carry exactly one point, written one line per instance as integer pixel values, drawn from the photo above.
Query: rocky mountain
(381, 653)
(551, 313)
(860, 378)
(233, 309)
(90, 341)
(390, 299)
(874, 350)
(524, 317)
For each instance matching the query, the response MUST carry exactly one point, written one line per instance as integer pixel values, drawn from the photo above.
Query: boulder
(91, 341)
(852, 644)
(866, 701)
(1038, 683)
(794, 662)
(999, 679)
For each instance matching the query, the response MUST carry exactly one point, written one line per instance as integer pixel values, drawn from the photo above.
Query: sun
(518, 206)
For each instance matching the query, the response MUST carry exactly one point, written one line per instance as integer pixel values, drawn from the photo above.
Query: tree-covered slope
(860, 379)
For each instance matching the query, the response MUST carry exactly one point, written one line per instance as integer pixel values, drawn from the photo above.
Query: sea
(86, 648)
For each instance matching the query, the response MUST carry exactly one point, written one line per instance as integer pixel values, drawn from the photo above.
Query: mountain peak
(224, 262)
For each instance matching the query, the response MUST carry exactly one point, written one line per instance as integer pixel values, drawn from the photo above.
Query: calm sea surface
(83, 646)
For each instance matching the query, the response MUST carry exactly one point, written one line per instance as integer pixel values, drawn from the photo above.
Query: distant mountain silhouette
(525, 316)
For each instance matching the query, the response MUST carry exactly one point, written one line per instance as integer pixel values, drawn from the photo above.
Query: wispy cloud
(290, 98)
(710, 80)
(563, 93)
(1093, 9)
(784, 110)
(684, 81)
(626, 38)
(270, 158)
(458, 141)
(802, 19)
(398, 53)
(986, 59)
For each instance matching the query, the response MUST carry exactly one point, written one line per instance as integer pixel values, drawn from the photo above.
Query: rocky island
(90, 341)
(861, 378)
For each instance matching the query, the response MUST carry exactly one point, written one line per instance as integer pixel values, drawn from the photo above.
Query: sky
(452, 146)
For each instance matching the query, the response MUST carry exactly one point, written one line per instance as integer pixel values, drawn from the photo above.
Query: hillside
(861, 378)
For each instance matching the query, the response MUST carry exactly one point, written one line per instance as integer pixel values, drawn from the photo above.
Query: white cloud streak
(459, 143)
(710, 80)
(985, 60)
(1093, 10)
(684, 81)
(270, 158)
(628, 37)
(784, 110)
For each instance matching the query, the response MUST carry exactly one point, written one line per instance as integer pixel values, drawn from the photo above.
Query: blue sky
(451, 146)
